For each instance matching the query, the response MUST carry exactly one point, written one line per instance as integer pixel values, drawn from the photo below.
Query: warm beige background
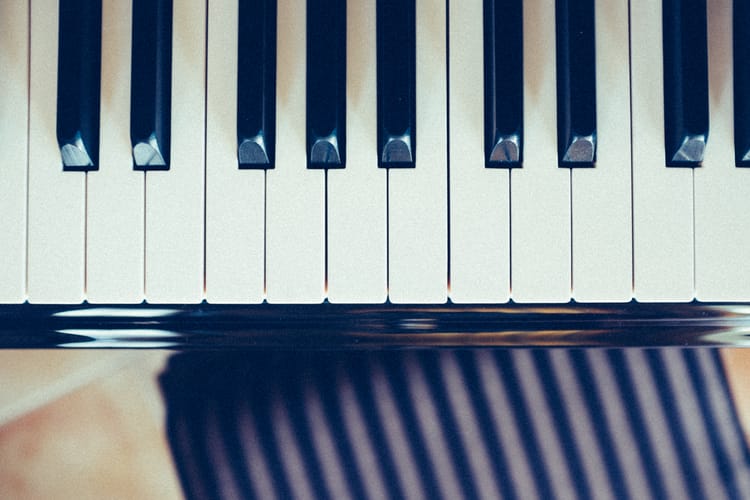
(83, 424)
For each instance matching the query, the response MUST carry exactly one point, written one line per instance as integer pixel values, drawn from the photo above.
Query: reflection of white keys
(602, 245)
(174, 198)
(722, 191)
(295, 203)
(57, 199)
(14, 81)
(540, 191)
(418, 207)
(662, 196)
(234, 198)
(357, 194)
(480, 217)
(114, 210)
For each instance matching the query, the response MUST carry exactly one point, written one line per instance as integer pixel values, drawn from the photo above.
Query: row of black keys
(685, 83)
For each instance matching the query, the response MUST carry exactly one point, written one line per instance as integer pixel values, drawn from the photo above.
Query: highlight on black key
(256, 84)
(79, 83)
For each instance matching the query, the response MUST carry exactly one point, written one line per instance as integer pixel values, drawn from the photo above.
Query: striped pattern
(635, 423)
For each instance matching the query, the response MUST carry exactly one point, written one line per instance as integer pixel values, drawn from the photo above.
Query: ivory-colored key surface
(115, 194)
(295, 195)
(662, 196)
(235, 199)
(722, 190)
(56, 199)
(601, 197)
(480, 197)
(417, 198)
(540, 190)
(357, 246)
(174, 198)
(14, 97)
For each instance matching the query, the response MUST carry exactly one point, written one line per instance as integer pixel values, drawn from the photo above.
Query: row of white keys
(14, 80)
(86, 231)
(235, 199)
(115, 205)
(295, 195)
(662, 197)
(601, 197)
(722, 191)
(540, 191)
(417, 198)
(479, 196)
(174, 248)
(357, 245)
(56, 199)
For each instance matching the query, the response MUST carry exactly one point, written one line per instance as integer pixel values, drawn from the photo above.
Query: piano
(405, 164)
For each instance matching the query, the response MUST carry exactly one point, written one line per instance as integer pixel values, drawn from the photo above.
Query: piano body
(262, 172)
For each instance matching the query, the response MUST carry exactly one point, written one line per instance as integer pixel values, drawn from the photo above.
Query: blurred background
(93, 424)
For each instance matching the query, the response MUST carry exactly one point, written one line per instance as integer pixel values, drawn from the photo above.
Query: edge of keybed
(334, 326)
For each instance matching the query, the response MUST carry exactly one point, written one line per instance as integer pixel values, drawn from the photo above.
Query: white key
(174, 198)
(662, 196)
(114, 211)
(418, 202)
(602, 226)
(357, 246)
(480, 204)
(295, 203)
(540, 190)
(235, 232)
(14, 97)
(57, 199)
(722, 191)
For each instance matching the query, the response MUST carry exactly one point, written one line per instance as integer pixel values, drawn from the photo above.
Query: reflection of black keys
(78, 83)
(503, 83)
(397, 89)
(741, 15)
(256, 84)
(326, 83)
(576, 83)
(685, 81)
(151, 84)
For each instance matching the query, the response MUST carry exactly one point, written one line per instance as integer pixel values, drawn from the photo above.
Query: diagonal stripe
(257, 467)
(543, 425)
(657, 426)
(526, 482)
(289, 450)
(723, 418)
(358, 433)
(581, 426)
(326, 453)
(432, 427)
(686, 407)
(396, 434)
(480, 465)
(620, 429)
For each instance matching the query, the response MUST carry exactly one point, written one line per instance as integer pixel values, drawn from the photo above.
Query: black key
(685, 81)
(326, 83)
(503, 83)
(741, 21)
(397, 88)
(256, 84)
(78, 83)
(151, 84)
(576, 83)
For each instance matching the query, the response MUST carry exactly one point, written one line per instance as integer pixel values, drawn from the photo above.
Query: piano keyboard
(359, 151)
